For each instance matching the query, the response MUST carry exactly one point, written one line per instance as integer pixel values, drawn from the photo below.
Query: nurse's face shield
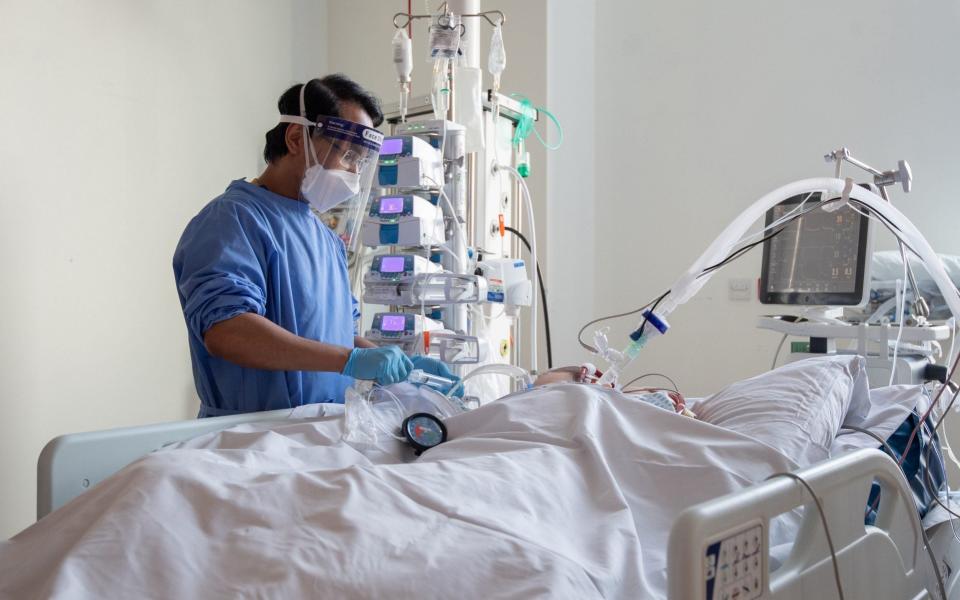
(337, 144)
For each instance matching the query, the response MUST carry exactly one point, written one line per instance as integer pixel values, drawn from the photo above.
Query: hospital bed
(717, 549)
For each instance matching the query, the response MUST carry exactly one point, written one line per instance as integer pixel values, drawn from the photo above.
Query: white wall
(702, 107)
(118, 121)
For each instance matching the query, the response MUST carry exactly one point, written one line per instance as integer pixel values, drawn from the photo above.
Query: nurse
(263, 283)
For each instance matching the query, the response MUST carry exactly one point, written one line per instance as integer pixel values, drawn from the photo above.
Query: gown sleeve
(219, 266)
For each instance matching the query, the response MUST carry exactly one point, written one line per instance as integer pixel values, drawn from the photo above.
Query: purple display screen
(391, 206)
(391, 146)
(392, 323)
(391, 264)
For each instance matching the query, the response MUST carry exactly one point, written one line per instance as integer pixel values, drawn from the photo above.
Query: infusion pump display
(821, 258)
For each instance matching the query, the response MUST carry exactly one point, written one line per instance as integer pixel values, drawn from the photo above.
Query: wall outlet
(740, 288)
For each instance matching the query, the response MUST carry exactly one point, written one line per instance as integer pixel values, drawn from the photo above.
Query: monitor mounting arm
(902, 175)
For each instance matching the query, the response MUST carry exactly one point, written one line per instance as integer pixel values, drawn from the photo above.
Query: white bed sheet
(564, 491)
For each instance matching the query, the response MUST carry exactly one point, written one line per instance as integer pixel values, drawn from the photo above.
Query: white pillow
(796, 409)
(889, 407)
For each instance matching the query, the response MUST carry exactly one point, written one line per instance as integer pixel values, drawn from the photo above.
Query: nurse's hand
(435, 367)
(384, 365)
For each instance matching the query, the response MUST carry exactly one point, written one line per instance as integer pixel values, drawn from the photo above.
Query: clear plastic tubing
(689, 283)
(516, 372)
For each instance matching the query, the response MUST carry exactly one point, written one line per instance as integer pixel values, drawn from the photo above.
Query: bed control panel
(735, 565)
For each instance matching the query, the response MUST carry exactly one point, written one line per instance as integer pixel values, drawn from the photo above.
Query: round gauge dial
(424, 431)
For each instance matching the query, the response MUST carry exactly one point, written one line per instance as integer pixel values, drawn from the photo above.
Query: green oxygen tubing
(525, 125)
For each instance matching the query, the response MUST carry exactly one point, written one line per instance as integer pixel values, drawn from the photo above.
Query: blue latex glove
(435, 367)
(384, 365)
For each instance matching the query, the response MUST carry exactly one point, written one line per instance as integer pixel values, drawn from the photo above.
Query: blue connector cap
(652, 320)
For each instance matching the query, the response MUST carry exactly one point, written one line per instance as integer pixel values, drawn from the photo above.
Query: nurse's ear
(293, 138)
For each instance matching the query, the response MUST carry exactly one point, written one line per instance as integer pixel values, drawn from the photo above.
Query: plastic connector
(650, 318)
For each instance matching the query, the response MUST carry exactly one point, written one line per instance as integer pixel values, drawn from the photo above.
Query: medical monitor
(820, 259)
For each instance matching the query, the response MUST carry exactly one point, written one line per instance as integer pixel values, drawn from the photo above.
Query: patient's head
(588, 374)
(559, 375)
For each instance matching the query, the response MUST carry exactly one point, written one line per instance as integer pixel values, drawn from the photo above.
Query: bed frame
(71, 464)
(714, 547)
(723, 545)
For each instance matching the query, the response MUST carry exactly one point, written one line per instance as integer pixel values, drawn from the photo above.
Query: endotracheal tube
(403, 61)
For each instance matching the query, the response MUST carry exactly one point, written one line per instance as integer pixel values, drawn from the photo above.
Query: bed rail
(721, 549)
(71, 464)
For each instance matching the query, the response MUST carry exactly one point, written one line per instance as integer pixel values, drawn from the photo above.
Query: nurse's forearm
(362, 342)
(255, 342)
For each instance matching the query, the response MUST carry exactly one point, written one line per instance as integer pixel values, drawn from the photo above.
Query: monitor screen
(392, 323)
(391, 206)
(391, 264)
(391, 146)
(818, 259)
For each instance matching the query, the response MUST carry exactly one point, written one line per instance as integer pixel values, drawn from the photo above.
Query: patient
(588, 374)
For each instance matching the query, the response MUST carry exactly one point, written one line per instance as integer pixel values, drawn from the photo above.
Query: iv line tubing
(533, 258)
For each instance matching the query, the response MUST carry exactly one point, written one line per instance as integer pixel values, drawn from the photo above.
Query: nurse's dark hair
(322, 97)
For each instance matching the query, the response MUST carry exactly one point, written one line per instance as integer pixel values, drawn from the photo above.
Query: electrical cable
(607, 318)
(733, 256)
(528, 204)
(543, 297)
(823, 520)
(776, 354)
(645, 375)
(935, 495)
(929, 410)
(653, 303)
(926, 540)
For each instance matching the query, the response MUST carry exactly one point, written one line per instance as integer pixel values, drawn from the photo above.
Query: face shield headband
(340, 159)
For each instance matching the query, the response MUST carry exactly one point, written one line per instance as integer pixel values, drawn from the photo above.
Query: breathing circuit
(725, 249)
(521, 375)
(651, 327)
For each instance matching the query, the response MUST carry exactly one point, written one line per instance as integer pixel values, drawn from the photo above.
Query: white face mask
(326, 188)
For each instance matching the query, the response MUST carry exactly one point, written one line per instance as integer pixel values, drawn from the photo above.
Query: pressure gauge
(424, 431)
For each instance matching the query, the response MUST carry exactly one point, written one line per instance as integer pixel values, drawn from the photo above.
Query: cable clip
(844, 197)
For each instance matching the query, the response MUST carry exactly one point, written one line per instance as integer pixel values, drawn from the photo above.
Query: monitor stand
(823, 328)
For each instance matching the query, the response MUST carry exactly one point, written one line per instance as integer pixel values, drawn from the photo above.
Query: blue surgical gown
(250, 250)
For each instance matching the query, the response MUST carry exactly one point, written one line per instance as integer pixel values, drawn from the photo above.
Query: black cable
(543, 297)
(823, 521)
(731, 257)
(935, 496)
(645, 375)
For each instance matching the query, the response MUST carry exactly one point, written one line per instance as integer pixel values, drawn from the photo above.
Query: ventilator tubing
(516, 372)
(691, 281)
